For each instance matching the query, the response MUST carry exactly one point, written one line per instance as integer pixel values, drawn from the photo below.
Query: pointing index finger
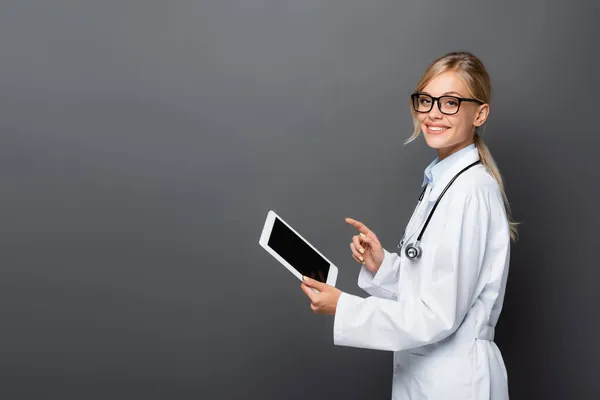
(358, 225)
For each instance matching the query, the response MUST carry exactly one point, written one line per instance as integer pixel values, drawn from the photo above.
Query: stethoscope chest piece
(413, 252)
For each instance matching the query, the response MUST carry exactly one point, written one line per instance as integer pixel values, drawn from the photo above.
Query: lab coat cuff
(387, 269)
(343, 316)
(385, 281)
(365, 278)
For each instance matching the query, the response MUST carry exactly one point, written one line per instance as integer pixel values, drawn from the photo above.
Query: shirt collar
(436, 169)
(442, 178)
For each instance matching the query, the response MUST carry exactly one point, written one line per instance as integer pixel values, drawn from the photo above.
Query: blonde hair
(475, 76)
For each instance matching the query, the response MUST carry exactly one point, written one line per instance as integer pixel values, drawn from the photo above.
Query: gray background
(143, 143)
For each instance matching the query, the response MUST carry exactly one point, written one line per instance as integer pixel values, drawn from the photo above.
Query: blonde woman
(436, 302)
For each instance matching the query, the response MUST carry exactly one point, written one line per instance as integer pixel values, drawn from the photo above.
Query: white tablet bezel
(264, 242)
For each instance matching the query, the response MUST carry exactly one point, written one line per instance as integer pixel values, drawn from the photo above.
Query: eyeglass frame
(437, 100)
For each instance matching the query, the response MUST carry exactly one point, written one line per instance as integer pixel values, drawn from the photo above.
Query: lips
(436, 129)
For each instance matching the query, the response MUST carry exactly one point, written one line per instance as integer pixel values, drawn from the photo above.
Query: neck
(448, 151)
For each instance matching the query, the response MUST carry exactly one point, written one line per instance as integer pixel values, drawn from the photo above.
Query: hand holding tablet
(302, 259)
(294, 252)
(323, 297)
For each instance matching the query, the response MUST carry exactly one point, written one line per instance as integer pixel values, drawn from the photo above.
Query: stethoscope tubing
(413, 251)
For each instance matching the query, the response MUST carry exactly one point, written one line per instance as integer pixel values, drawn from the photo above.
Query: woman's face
(450, 133)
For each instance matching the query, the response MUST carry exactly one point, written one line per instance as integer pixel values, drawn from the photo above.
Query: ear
(481, 115)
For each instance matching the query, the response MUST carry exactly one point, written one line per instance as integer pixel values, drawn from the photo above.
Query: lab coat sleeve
(384, 283)
(438, 304)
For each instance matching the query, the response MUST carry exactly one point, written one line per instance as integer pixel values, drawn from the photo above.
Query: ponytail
(488, 161)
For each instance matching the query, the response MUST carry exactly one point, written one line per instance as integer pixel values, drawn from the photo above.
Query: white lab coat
(438, 313)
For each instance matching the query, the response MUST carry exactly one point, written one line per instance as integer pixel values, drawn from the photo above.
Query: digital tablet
(294, 252)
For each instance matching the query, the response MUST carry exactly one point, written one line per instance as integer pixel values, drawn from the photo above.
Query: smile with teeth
(436, 128)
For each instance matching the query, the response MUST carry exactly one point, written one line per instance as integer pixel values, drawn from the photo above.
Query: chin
(436, 142)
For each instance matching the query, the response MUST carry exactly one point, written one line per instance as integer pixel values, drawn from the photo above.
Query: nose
(435, 112)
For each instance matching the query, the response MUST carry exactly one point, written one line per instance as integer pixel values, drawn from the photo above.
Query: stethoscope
(414, 251)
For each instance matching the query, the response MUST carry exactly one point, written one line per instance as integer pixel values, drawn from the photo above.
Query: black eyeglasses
(448, 105)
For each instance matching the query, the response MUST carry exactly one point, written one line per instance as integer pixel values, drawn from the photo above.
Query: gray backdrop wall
(143, 143)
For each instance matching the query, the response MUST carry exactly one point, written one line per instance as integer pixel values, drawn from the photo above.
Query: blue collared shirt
(436, 169)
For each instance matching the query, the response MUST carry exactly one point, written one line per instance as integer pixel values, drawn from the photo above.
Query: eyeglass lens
(448, 104)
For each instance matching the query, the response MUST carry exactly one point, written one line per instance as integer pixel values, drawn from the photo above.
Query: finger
(309, 292)
(315, 284)
(362, 228)
(358, 260)
(357, 256)
(358, 243)
(317, 275)
(321, 276)
(314, 308)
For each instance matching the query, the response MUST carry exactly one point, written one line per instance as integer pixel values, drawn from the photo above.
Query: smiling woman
(457, 78)
(437, 302)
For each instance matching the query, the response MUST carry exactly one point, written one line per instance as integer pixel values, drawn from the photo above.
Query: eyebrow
(447, 93)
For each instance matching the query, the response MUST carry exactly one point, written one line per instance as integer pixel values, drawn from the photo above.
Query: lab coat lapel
(418, 217)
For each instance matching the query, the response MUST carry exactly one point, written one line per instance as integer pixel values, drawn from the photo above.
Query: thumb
(313, 283)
